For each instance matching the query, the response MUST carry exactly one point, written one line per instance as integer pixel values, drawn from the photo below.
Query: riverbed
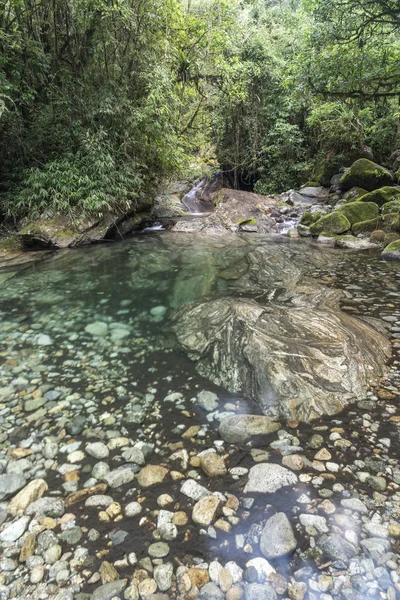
(138, 494)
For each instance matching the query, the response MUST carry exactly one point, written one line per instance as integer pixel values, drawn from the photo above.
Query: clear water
(118, 381)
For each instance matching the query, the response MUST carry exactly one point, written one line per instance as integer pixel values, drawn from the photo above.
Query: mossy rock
(390, 222)
(367, 175)
(308, 218)
(11, 243)
(354, 194)
(390, 237)
(382, 196)
(392, 251)
(328, 164)
(311, 184)
(359, 211)
(391, 207)
(367, 226)
(335, 222)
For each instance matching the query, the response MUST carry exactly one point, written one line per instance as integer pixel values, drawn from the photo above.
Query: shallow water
(118, 381)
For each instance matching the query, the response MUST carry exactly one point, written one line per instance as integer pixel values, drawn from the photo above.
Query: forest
(103, 100)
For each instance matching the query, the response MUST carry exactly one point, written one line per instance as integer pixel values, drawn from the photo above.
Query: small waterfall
(198, 200)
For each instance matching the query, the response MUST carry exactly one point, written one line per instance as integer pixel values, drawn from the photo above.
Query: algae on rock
(367, 175)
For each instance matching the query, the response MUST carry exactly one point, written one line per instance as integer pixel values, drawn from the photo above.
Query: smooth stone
(259, 591)
(10, 483)
(151, 475)
(31, 492)
(97, 329)
(265, 478)
(241, 428)
(119, 477)
(213, 465)
(14, 531)
(163, 576)
(193, 490)
(132, 509)
(46, 506)
(277, 537)
(205, 510)
(208, 401)
(354, 504)
(262, 567)
(110, 590)
(211, 592)
(98, 450)
(158, 550)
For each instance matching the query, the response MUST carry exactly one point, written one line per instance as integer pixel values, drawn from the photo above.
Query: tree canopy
(101, 100)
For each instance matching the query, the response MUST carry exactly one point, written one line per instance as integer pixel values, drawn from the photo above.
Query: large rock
(277, 537)
(335, 222)
(63, 232)
(392, 251)
(233, 208)
(359, 211)
(266, 478)
(300, 358)
(381, 196)
(241, 428)
(367, 175)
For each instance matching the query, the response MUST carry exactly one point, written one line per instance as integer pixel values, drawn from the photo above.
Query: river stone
(258, 591)
(193, 490)
(262, 567)
(208, 401)
(158, 550)
(266, 478)
(211, 592)
(151, 475)
(10, 483)
(119, 477)
(31, 492)
(335, 547)
(111, 590)
(299, 359)
(163, 576)
(97, 329)
(213, 465)
(49, 507)
(204, 510)
(277, 537)
(98, 450)
(240, 428)
(14, 531)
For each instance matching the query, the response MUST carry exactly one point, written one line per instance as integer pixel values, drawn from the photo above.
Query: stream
(116, 479)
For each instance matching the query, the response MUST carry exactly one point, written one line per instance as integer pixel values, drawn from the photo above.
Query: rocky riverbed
(125, 473)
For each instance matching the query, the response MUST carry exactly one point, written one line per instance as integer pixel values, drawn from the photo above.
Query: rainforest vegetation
(101, 100)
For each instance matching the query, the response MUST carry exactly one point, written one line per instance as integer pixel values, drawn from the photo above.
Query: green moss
(359, 211)
(392, 251)
(382, 195)
(311, 184)
(391, 207)
(367, 226)
(391, 222)
(354, 194)
(335, 222)
(367, 175)
(390, 237)
(10, 243)
(308, 219)
(247, 222)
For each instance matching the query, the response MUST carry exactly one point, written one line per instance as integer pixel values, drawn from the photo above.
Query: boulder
(392, 251)
(233, 208)
(349, 242)
(391, 207)
(387, 222)
(382, 196)
(277, 537)
(300, 358)
(367, 175)
(328, 164)
(241, 428)
(335, 222)
(359, 211)
(354, 194)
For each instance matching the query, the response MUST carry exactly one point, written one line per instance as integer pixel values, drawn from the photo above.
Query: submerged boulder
(299, 359)
(367, 175)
